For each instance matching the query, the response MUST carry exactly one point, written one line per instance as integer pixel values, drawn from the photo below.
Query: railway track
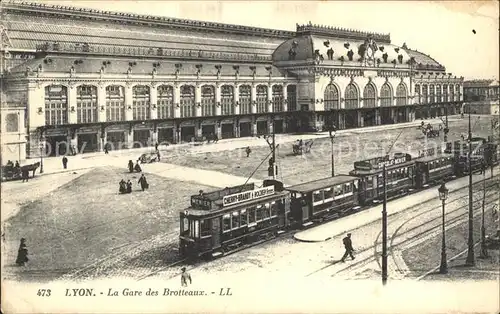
(418, 236)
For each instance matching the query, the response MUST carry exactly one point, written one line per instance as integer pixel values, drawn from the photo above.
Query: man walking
(348, 247)
(65, 162)
(185, 276)
(143, 182)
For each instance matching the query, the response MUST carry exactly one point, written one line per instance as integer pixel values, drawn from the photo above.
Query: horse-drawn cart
(148, 158)
(11, 172)
(301, 147)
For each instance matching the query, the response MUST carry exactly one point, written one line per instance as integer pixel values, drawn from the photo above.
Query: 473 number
(43, 293)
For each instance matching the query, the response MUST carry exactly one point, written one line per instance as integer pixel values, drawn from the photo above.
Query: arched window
(12, 122)
(56, 105)
(140, 102)
(351, 97)
(227, 99)
(438, 93)
(277, 98)
(445, 92)
(331, 97)
(245, 98)
(385, 96)
(165, 102)
(369, 96)
(86, 104)
(432, 94)
(115, 103)
(418, 93)
(291, 96)
(401, 94)
(187, 101)
(425, 94)
(261, 98)
(207, 101)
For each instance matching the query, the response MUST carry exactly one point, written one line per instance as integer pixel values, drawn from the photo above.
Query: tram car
(323, 199)
(224, 220)
(432, 168)
(400, 173)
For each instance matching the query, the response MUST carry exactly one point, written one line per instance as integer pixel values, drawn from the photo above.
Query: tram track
(373, 257)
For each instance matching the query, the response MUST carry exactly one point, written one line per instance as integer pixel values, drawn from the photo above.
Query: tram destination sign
(378, 162)
(247, 196)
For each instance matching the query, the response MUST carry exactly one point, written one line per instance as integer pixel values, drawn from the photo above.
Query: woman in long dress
(22, 253)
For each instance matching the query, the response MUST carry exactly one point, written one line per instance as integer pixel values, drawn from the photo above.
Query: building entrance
(351, 119)
(187, 133)
(208, 131)
(115, 140)
(227, 130)
(166, 135)
(386, 116)
(56, 145)
(369, 117)
(245, 129)
(262, 127)
(87, 143)
(141, 138)
(278, 126)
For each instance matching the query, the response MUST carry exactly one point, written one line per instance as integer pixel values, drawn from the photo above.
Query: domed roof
(306, 47)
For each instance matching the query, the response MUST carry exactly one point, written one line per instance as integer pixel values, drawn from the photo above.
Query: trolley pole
(384, 229)
(470, 261)
(274, 153)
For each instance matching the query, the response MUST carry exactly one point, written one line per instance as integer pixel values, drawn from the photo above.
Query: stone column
(253, 104)
(236, 100)
(270, 98)
(198, 130)
(72, 116)
(153, 97)
(360, 119)
(218, 106)
(101, 103)
(394, 115)
(341, 120)
(377, 116)
(177, 101)
(128, 103)
(254, 126)
(270, 125)
(218, 129)
(197, 100)
(100, 144)
(285, 99)
(236, 127)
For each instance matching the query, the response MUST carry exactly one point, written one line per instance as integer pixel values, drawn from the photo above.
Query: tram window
(244, 217)
(196, 229)
(251, 215)
(317, 196)
(328, 194)
(267, 211)
(274, 209)
(205, 227)
(338, 190)
(235, 223)
(185, 225)
(369, 182)
(259, 213)
(347, 188)
(226, 222)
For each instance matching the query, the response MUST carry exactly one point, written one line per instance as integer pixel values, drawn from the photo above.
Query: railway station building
(90, 77)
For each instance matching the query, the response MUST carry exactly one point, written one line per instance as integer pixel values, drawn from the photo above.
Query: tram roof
(378, 170)
(202, 212)
(433, 157)
(321, 183)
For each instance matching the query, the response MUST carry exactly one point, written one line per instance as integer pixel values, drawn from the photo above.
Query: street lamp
(333, 132)
(483, 253)
(42, 146)
(443, 195)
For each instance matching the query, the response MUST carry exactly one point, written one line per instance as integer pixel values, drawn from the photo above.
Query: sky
(441, 29)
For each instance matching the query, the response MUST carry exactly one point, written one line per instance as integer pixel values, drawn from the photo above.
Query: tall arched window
(86, 104)
(438, 93)
(56, 105)
(385, 96)
(351, 97)
(115, 103)
(445, 93)
(425, 94)
(245, 99)
(277, 98)
(261, 98)
(207, 101)
(12, 122)
(291, 96)
(331, 97)
(418, 93)
(369, 99)
(452, 92)
(165, 102)
(401, 95)
(432, 94)
(187, 101)
(227, 99)
(140, 102)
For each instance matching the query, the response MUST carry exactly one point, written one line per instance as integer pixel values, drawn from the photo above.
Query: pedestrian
(158, 154)
(130, 166)
(10, 164)
(17, 164)
(143, 182)
(156, 146)
(137, 167)
(216, 138)
(185, 276)
(248, 151)
(65, 162)
(106, 148)
(348, 247)
(129, 187)
(25, 175)
(22, 253)
(123, 188)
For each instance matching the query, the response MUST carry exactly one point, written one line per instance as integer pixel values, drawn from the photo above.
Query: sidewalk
(98, 159)
(340, 226)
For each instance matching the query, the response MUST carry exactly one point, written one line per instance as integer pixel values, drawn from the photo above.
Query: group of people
(11, 164)
(132, 168)
(126, 187)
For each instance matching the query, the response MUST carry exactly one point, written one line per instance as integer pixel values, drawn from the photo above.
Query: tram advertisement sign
(247, 196)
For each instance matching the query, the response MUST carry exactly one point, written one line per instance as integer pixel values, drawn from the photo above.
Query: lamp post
(483, 253)
(443, 195)
(332, 136)
(41, 155)
(470, 261)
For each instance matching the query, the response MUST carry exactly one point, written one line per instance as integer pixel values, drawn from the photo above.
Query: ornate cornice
(314, 29)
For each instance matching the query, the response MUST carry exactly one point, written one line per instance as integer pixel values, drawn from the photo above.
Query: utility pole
(483, 253)
(470, 261)
(384, 229)
(274, 154)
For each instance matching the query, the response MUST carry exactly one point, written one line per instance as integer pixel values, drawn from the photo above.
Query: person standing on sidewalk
(348, 247)
(65, 162)
(185, 276)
